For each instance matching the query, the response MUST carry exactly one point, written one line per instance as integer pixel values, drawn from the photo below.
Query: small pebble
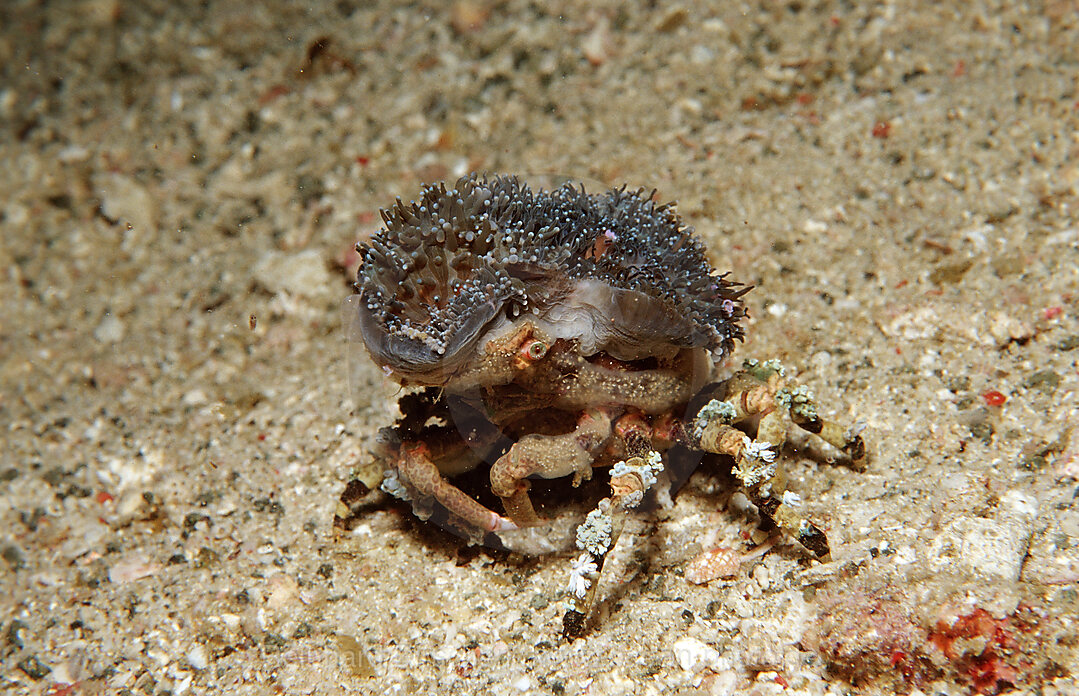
(110, 330)
(950, 272)
(467, 16)
(283, 590)
(126, 201)
(354, 655)
(761, 576)
(303, 273)
(693, 655)
(761, 648)
(920, 323)
(133, 568)
(983, 546)
(672, 19)
(1004, 329)
(197, 658)
(596, 45)
(33, 667)
(444, 653)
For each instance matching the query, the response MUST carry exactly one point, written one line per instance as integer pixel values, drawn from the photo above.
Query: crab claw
(416, 468)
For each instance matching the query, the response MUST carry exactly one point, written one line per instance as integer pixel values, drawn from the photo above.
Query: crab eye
(536, 350)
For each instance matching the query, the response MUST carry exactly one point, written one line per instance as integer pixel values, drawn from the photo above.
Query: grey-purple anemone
(613, 271)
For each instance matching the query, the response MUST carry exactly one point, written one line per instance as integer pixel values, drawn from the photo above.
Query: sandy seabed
(181, 190)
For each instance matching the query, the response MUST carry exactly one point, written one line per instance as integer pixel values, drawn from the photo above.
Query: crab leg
(755, 467)
(549, 456)
(415, 465)
(847, 440)
(597, 536)
(759, 389)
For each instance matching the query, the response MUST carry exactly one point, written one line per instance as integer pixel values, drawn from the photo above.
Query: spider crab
(545, 334)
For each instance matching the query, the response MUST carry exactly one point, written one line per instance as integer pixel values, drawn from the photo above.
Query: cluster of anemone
(447, 266)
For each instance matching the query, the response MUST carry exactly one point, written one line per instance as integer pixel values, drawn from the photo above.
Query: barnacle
(613, 271)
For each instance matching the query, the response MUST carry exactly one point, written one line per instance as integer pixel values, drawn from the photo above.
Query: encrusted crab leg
(846, 440)
(598, 534)
(758, 391)
(792, 406)
(755, 469)
(549, 456)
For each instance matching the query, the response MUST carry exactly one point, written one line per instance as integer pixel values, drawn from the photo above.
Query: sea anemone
(613, 271)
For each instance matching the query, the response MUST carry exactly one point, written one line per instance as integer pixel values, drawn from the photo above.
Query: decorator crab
(543, 334)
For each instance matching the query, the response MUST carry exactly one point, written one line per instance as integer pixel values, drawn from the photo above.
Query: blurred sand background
(182, 185)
